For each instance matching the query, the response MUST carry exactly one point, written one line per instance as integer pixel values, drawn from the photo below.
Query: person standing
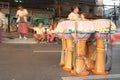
(67, 42)
(22, 22)
(2, 16)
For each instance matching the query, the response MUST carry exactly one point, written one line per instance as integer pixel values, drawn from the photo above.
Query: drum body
(103, 30)
(67, 46)
(80, 33)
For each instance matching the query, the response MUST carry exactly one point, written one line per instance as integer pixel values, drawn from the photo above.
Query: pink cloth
(81, 36)
(82, 26)
(101, 35)
(115, 37)
(22, 28)
(85, 26)
(100, 24)
(50, 37)
(60, 35)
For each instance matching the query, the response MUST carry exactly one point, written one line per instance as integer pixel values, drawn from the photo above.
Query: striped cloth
(22, 28)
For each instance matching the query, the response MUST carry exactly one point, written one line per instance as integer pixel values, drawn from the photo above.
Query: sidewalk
(15, 35)
(13, 38)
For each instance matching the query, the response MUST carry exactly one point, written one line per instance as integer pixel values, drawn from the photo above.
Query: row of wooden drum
(86, 46)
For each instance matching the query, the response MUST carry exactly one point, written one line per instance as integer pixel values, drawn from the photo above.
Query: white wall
(99, 10)
(111, 2)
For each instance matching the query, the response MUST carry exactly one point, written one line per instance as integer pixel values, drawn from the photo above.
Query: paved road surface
(33, 62)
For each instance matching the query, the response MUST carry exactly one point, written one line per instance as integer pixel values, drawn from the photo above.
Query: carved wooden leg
(62, 60)
(89, 51)
(80, 61)
(100, 58)
(68, 55)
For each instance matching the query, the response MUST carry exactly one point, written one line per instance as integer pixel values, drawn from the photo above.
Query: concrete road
(40, 62)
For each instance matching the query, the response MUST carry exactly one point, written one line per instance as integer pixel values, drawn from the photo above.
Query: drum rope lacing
(83, 57)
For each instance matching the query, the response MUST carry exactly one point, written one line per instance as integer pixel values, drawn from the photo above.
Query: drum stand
(62, 60)
(79, 68)
(68, 55)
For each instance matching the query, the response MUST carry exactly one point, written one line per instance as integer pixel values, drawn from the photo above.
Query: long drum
(79, 31)
(104, 28)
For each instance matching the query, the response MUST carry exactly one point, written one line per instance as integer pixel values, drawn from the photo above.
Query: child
(50, 34)
(40, 32)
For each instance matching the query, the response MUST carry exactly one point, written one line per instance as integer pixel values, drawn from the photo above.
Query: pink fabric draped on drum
(83, 29)
(82, 26)
(22, 28)
(102, 27)
(98, 35)
(81, 36)
(63, 35)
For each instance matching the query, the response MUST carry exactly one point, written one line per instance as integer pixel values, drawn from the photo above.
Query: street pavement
(39, 61)
(20, 62)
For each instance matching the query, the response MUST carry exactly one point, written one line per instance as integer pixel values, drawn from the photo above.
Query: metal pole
(115, 14)
(59, 11)
(103, 11)
(9, 17)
